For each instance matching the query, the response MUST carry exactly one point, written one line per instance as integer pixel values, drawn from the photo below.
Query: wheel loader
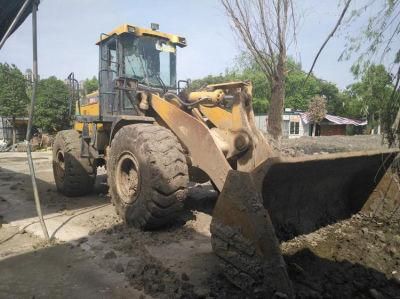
(153, 136)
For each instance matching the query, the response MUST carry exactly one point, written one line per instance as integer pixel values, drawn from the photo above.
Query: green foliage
(377, 41)
(368, 98)
(51, 112)
(377, 37)
(373, 92)
(364, 99)
(317, 109)
(298, 94)
(90, 85)
(210, 79)
(260, 105)
(13, 98)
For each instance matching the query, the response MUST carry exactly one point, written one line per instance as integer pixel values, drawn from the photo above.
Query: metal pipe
(31, 113)
(14, 23)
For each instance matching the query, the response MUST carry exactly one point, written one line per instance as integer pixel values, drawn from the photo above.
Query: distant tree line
(365, 99)
(52, 99)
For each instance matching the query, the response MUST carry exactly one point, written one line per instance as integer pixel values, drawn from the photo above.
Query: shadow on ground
(17, 201)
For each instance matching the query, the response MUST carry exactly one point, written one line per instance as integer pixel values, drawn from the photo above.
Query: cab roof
(138, 31)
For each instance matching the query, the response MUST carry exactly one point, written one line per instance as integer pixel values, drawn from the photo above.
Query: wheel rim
(60, 163)
(127, 178)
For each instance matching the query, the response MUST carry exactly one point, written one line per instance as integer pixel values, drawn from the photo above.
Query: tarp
(8, 11)
(338, 120)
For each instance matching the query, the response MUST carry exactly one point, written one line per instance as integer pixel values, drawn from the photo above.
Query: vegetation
(377, 36)
(52, 106)
(52, 103)
(13, 97)
(90, 85)
(365, 99)
(373, 93)
(316, 111)
(375, 42)
(263, 27)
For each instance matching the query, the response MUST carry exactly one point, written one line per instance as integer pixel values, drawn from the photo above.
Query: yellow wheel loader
(154, 137)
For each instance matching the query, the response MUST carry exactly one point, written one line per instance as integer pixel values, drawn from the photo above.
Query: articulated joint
(241, 141)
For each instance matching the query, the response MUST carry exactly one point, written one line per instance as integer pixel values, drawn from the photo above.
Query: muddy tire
(74, 176)
(237, 259)
(147, 175)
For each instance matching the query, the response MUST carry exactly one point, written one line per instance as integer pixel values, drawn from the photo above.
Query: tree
(377, 37)
(13, 97)
(373, 92)
(51, 111)
(263, 27)
(90, 85)
(298, 92)
(316, 111)
(335, 28)
(375, 42)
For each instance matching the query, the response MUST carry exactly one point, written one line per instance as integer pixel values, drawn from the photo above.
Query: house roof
(338, 120)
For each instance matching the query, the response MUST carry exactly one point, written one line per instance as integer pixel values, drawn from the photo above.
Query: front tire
(147, 175)
(74, 175)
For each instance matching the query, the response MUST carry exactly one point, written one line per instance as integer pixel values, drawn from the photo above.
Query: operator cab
(134, 59)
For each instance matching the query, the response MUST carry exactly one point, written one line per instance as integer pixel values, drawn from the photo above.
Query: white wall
(261, 122)
(305, 129)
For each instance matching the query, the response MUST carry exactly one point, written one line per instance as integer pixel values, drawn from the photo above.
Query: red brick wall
(327, 130)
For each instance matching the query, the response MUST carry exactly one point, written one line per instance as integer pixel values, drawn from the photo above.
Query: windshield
(149, 60)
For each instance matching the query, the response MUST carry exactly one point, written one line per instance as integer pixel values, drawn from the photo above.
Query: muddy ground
(94, 255)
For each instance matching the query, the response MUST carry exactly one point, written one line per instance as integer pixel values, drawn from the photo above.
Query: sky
(69, 29)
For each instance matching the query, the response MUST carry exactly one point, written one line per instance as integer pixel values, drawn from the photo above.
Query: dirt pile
(357, 258)
(330, 144)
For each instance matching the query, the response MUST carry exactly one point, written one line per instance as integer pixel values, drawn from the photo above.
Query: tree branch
(328, 38)
(396, 124)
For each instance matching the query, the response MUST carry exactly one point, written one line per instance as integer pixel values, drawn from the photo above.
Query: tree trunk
(14, 131)
(277, 99)
(314, 129)
(396, 123)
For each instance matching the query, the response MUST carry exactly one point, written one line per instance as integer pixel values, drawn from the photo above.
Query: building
(332, 125)
(261, 122)
(6, 129)
(292, 125)
(297, 123)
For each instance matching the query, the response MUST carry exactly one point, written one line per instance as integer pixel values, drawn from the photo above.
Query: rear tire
(74, 176)
(147, 175)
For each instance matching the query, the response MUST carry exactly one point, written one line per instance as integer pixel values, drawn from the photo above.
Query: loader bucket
(283, 198)
(302, 195)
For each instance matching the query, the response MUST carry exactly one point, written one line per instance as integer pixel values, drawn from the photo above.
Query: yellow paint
(137, 31)
(92, 108)
(78, 126)
(219, 117)
(237, 118)
(89, 105)
(94, 94)
(214, 96)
